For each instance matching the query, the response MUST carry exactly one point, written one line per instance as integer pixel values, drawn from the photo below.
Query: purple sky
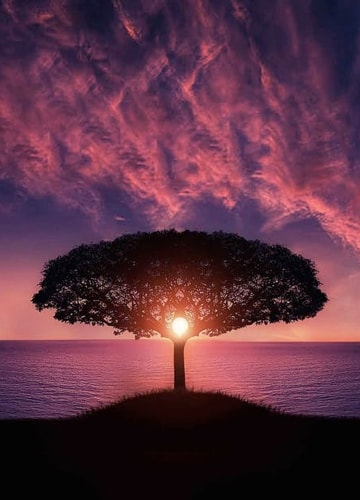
(119, 116)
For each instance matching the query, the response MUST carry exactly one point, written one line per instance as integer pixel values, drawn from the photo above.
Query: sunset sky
(134, 115)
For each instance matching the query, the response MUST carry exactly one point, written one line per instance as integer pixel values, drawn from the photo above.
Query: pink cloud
(169, 106)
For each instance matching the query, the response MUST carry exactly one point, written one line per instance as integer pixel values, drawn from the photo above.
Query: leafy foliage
(218, 281)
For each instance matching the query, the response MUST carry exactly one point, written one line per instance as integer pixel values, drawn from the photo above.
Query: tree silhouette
(217, 282)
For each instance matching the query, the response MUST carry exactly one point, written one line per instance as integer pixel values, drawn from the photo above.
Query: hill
(180, 445)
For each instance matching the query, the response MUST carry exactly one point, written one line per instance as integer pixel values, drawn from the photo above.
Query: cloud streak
(170, 103)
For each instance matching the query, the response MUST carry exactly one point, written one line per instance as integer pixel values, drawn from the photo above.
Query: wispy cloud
(171, 102)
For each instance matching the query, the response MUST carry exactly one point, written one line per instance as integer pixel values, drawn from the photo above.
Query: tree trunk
(179, 365)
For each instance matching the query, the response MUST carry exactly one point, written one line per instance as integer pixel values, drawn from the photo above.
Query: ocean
(58, 378)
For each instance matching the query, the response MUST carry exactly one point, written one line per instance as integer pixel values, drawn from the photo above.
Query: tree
(216, 282)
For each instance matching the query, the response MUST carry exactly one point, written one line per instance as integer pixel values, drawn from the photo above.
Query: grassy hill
(180, 445)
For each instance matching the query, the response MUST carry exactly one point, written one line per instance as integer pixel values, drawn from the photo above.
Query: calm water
(63, 378)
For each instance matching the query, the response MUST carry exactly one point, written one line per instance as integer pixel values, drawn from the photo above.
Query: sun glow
(180, 326)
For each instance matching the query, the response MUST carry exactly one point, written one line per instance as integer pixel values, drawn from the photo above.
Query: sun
(180, 326)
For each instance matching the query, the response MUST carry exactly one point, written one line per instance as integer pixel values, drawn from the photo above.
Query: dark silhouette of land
(180, 445)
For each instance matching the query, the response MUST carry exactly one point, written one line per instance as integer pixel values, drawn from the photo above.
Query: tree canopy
(218, 281)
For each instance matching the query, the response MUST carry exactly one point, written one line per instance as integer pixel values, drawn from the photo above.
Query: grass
(180, 445)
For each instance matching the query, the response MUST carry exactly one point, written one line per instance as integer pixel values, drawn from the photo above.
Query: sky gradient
(134, 115)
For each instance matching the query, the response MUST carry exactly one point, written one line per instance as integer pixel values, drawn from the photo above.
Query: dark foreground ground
(180, 445)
